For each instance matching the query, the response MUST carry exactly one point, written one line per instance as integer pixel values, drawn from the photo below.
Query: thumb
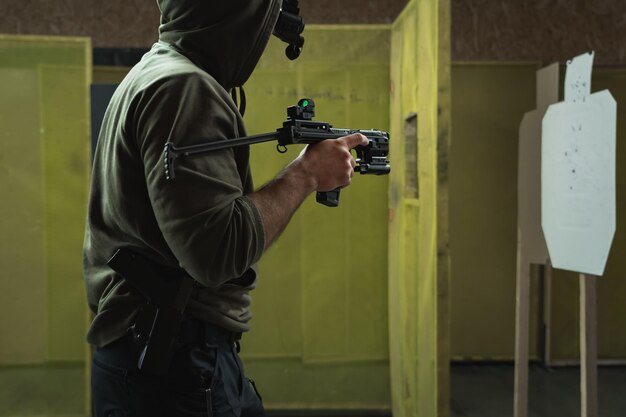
(354, 140)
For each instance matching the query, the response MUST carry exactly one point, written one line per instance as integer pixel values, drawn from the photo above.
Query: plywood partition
(44, 163)
(419, 259)
(44, 167)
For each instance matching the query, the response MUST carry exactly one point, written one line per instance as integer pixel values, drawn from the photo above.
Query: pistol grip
(328, 198)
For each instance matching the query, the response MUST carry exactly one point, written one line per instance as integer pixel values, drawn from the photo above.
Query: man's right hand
(329, 163)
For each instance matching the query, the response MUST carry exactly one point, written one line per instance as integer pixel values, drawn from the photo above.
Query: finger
(354, 140)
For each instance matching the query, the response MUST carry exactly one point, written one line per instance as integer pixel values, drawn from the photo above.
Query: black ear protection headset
(289, 28)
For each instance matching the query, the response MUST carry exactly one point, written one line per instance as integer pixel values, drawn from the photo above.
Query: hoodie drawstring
(242, 99)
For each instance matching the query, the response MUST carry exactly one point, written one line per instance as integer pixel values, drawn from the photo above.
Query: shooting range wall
(44, 114)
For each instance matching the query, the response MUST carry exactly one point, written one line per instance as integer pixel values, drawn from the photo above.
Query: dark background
(482, 30)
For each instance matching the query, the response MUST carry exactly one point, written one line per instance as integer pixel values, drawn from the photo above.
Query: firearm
(299, 128)
(167, 292)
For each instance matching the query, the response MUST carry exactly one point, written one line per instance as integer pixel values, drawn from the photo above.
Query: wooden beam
(588, 347)
(547, 313)
(522, 307)
(444, 138)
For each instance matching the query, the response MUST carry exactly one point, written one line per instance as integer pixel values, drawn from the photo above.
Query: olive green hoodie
(201, 221)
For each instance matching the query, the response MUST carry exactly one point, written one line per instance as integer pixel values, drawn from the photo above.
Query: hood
(223, 37)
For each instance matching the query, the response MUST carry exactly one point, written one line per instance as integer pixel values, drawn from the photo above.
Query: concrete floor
(477, 390)
(487, 391)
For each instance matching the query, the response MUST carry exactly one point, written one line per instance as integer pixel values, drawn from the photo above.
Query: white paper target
(578, 173)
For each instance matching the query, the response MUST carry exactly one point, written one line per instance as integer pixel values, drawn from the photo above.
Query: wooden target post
(588, 346)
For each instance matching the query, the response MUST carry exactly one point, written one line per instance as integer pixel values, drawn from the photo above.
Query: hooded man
(209, 222)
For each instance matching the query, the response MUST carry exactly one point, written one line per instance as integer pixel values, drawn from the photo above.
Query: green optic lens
(305, 103)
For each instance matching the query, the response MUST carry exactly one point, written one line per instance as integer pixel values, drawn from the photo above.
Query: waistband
(196, 331)
(124, 353)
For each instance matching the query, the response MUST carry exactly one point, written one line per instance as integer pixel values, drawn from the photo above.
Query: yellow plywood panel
(44, 113)
(418, 232)
(49, 143)
(403, 239)
(66, 164)
(22, 255)
(399, 312)
(273, 332)
(325, 280)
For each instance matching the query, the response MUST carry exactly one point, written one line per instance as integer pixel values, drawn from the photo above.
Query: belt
(192, 331)
(124, 352)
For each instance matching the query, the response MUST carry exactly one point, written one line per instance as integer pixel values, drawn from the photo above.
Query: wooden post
(522, 303)
(547, 313)
(588, 347)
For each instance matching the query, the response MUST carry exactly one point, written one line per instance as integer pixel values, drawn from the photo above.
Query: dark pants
(206, 378)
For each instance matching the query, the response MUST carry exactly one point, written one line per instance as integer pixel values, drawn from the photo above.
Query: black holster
(167, 292)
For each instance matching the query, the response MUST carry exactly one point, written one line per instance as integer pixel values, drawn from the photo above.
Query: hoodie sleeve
(214, 231)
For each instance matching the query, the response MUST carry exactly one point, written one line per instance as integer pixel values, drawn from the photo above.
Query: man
(208, 222)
